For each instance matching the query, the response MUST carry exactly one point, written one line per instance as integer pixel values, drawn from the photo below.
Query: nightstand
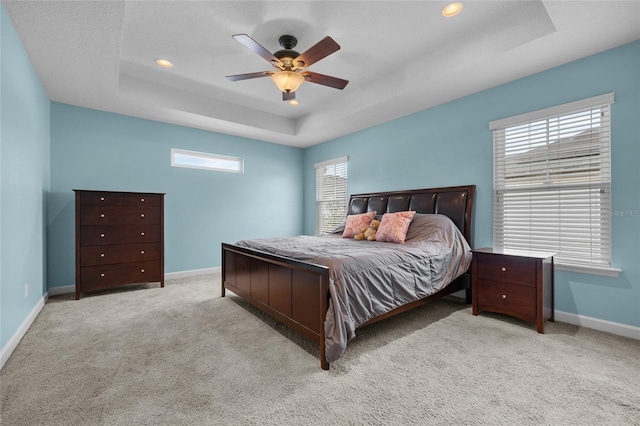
(513, 282)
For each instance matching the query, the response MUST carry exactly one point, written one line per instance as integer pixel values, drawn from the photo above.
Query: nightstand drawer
(507, 269)
(515, 300)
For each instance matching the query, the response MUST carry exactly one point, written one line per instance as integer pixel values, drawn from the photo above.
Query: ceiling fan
(290, 65)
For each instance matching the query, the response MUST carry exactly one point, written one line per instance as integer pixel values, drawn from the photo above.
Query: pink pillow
(356, 223)
(393, 227)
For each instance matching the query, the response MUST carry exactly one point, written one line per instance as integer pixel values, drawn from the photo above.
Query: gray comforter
(370, 278)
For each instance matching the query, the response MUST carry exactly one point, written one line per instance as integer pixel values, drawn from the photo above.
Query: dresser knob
(142, 270)
(142, 234)
(102, 215)
(504, 269)
(101, 254)
(141, 251)
(142, 200)
(101, 198)
(101, 235)
(141, 214)
(102, 275)
(504, 296)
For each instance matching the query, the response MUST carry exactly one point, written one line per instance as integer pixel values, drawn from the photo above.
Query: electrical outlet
(26, 290)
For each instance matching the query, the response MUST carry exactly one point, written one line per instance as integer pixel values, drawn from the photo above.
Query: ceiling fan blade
(257, 48)
(325, 80)
(249, 75)
(288, 96)
(321, 49)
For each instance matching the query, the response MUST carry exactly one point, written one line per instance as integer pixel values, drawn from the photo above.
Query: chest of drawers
(513, 282)
(119, 239)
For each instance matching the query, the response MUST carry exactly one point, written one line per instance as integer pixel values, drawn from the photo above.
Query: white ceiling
(399, 56)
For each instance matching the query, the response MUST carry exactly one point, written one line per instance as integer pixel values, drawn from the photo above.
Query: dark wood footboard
(293, 292)
(296, 293)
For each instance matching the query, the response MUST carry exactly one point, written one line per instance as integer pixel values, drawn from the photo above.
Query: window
(552, 183)
(331, 194)
(203, 160)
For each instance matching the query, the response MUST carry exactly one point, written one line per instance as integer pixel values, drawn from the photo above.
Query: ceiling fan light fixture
(452, 9)
(287, 81)
(294, 102)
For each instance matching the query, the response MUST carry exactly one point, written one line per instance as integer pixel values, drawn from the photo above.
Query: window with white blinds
(331, 194)
(552, 182)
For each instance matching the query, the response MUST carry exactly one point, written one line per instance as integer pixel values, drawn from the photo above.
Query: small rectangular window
(206, 161)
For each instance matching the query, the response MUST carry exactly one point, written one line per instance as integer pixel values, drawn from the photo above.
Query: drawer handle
(142, 234)
(142, 270)
(102, 215)
(102, 275)
(141, 214)
(141, 251)
(504, 269)
(101, 235)
(504, 296)
(101, 198)
(142, 200)
(101, 254)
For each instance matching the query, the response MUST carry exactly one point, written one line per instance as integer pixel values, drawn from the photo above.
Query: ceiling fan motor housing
(287, 54)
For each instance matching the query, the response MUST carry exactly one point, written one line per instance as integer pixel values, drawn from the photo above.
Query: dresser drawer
(507, 269)
(100, 199)
(142, 200)
(114, 215)
(119, 253)
(515, 300)
(119, 234)
(98, 277)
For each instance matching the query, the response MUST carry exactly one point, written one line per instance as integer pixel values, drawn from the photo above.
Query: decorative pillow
(356, 223)
(393, 227)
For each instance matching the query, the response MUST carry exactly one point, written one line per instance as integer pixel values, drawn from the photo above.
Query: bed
(326, 287)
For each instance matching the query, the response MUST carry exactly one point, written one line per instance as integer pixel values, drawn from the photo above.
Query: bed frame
(296, 293)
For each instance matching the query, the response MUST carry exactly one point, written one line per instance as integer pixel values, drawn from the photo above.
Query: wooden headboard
(456, 202)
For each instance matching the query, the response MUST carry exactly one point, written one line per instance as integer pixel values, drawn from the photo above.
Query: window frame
(518, 187)
(207, 155)
(341, 192)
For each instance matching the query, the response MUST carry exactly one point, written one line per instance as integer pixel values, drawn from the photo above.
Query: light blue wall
(24, 182)
(451, 145)
(97, 150)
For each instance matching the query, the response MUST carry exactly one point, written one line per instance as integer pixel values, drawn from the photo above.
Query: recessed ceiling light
(452, 9)
(165, 63)
(294, 102)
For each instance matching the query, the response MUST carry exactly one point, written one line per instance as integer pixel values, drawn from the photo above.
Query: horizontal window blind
(552, 182)
(331, 194)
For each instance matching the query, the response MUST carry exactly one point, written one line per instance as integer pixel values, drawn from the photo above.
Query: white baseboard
(22, 330)
(191, 273)
(598, 324)
(65, 289)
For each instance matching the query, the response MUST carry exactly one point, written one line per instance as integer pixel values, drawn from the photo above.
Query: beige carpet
(184, 356)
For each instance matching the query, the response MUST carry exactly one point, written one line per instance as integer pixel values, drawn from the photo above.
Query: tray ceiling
(399, 56)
